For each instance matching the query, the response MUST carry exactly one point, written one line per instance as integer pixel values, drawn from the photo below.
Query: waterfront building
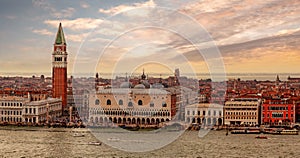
(11, 108)
(59, 67)
(242, 111)
(278, 111)
(42, 111)
(132, 106)
(15, 109)
(206, 114)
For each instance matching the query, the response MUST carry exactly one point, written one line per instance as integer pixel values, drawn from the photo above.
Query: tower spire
(143, 75)
(60, 37)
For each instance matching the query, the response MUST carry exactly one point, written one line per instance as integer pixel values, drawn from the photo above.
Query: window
(140, 102)
(164, 104)
(97, 102)
(130, 104)
(120, 102)
(188, 112)
(108, 102)
(203, 113)
(151, 104)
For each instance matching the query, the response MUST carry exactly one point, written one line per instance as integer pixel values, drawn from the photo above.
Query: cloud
(84, 5)
(64, 13)
(76, 37)
(76, 24)
(122, 8)
(45, 5)
(10, 17)
(43, 32)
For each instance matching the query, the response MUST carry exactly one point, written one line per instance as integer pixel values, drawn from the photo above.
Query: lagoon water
(39, 142)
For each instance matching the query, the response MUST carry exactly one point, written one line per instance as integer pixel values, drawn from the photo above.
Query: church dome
(145, 83)
(157, 85)
(139, 86)
(125, 85)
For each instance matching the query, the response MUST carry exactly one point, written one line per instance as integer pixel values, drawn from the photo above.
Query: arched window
(108, 102)
(164, 104)
(140, 102)
(151, 104)
(130, 104)
(120, 102)
(97, 102)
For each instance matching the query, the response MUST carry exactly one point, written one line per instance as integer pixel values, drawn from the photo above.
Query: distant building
(206, 114)
(244, 111)
(278, 111)
(80, 100)
(183, 97)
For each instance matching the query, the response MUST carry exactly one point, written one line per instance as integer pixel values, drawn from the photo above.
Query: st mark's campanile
(59, 67)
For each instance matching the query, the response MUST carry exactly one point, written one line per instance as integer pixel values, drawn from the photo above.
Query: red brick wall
(59, 84)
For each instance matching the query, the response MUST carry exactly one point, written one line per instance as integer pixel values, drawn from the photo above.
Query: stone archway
(152, 121)
(198, 120)
(91, 120)
(148, 121)
(138, 120)
(129, 120)
(157, 121)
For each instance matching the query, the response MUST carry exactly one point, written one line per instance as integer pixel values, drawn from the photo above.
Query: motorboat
(95, 143)
(78, 134)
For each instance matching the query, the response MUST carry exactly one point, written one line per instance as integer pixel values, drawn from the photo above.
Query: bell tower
(59, 67)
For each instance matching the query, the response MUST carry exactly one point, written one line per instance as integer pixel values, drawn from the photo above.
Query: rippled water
(60, 143)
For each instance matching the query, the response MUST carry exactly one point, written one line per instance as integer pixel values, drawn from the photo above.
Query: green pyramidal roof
(60, 37)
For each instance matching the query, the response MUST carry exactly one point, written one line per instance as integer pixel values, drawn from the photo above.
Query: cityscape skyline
(255, 35)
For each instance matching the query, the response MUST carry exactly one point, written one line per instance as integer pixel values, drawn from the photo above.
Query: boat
(289, 132)
(95, 143)
(78, 135)
(261, 137)
(285, 132)
(238, 131)
(113, 139)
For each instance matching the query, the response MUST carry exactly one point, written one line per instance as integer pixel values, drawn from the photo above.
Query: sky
(196, 36)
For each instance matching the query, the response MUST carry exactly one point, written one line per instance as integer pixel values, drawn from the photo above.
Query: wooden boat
(261, 137)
